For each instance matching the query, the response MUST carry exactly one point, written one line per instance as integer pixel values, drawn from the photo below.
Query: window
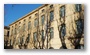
(62, 11)
(35, 36)
(42, 10)
(79, 24)
(30, 17)
(78, 7)
(36, 14)
(51, 32)
(42, 33)
(8, 33)
(43, 18)
(63, 30)
(51, 6)
(28, 39)
(36, 22)
(51, 15)
(29, 25)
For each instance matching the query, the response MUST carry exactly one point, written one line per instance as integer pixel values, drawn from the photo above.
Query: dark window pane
(79, 26)
(78, 7)
(51, 6)
(42, 33)
(8, 33)
(63, 30)
(42, 10)
(10, 42)
(51, 15)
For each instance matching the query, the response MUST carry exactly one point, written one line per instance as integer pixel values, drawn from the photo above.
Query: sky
(13, 12)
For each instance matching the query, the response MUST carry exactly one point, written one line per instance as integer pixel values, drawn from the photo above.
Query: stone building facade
(6, 36)
(51, 26)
